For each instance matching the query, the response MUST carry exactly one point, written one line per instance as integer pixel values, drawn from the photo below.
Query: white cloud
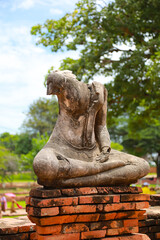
(56, 11)
(27, 4)
(22, 69)
(24, 4)
(23, 65)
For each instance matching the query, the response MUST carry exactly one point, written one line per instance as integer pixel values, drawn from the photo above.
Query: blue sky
(23, 65)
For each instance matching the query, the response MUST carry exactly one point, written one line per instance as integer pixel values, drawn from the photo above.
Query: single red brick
(139, 236)
(131, 229)
(70, 236)
(139, 189)
(125, 189)
(142, 205)
(150, 222)
(27, 228)
(78, 209)
(103, 190)
(22, 236)
(154, 229)
(107, 216)
(93, 234)
(53, 220)
(95, 199)
(106, 224)
(157, 235)
(155, 196)
(116, 198)
(129, 214)
(136, 189)
(119, 206)
(142, 217)
(27, 200)
(87, 217)
(130, 222)
(44, 193)
(98, 225)
(76, 227)
(144, 230)
(33, 236)
(140, 213)
(33, 211)
(115, 224)
(86, 191)
(68, 192)
(9, 230)
(55, 229)
(142, 223)
(135, 236)
(135, 197)
(51, 202)
(121, 231)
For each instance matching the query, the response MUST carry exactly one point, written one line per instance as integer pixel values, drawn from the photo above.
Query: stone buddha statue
(78, 152)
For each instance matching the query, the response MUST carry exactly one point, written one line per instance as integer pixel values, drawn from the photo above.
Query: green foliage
(27, 159)
(125, 27)
(41, 117)
(116, 146)
(22, 176)
(8, 141)
(23, 143)
(18, 143)
(9, 163)
(122, 40)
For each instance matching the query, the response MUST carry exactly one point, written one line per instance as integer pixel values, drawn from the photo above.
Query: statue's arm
(101, 132)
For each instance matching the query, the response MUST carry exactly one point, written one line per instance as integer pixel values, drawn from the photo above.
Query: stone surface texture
(78, 153)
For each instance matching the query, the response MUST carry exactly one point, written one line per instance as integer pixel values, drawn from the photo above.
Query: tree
(18, 143)
(122, 40)
(143, 141)
(8, 141)
(41, 117)
(23, 144)
(27, 159)
(128, 28)
(9, 163)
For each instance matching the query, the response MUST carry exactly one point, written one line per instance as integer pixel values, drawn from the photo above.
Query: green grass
(20, 177)
(12, 216)
(15, 190)
(22, 203)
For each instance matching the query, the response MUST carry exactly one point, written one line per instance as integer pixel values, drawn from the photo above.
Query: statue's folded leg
(50, 167)
(56, 170)
(134, 169)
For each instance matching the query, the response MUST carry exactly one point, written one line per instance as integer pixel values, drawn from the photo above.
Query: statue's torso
(75, 125)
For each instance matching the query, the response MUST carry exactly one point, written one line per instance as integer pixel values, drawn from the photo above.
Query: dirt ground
(19, 212)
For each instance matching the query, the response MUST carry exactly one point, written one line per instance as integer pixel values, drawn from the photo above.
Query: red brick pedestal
(88, 213)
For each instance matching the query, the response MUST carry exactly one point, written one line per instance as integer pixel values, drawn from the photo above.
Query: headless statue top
(78, 151)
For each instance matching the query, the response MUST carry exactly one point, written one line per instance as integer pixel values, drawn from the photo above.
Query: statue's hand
(104, 155)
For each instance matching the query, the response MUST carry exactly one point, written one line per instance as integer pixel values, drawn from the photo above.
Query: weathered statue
(78, 152)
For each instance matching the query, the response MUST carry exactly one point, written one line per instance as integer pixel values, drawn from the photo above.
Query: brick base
(19, 228)
(151, 226)
(87, 213)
